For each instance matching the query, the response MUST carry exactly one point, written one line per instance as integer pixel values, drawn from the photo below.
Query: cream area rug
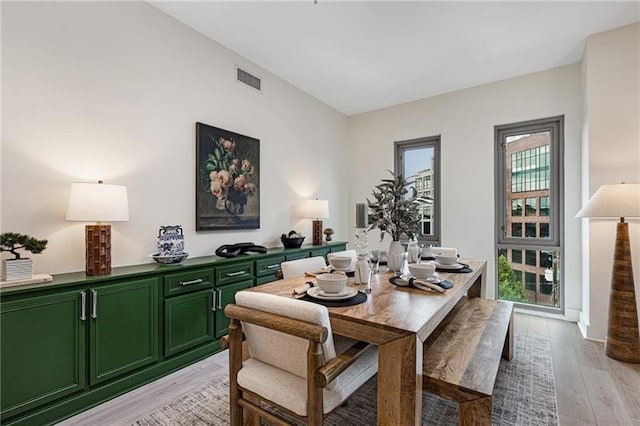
(524, 394)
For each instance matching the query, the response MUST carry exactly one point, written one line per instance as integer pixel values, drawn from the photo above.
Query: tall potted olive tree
(18, 267)
(397, 211)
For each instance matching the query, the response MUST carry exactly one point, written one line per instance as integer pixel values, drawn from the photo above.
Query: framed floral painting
(227, 179)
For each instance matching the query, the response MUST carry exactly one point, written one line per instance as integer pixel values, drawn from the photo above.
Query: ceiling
(359, 56)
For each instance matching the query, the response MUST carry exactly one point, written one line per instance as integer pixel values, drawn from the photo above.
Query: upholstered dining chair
(345, 253)
(294, 365)
(297, 268)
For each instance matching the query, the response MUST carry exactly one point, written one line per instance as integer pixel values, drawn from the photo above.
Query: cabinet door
(225, 296)
(123, 329)
(42, 350)
(188, 321)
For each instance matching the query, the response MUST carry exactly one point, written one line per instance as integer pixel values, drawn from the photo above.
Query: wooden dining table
(398, 320)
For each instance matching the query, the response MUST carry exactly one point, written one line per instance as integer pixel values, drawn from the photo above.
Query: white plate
(348, 269)
(452, 267)
(316, 293)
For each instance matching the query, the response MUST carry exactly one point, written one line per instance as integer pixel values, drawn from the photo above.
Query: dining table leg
(400, 382)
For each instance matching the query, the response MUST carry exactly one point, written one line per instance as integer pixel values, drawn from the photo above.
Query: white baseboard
(589, 332)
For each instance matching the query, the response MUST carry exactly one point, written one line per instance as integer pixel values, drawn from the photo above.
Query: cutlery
(405, 281)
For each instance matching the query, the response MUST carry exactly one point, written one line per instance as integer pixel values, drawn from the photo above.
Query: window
(530, 230)
(544, 206)
(418, 161)
(516, 256)
(529, 181)
(516, 230)
(530, 257)
(530, 281)
(530, 206)
(544, 230)
(516, 207)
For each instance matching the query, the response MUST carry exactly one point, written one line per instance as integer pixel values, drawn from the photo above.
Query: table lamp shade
(316, 210)
(98, 202)
(623, 335)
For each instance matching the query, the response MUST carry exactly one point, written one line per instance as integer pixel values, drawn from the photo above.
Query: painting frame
(227, 179)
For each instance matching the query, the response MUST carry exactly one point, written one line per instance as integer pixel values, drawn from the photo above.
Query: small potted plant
(397, 211)
(19, 268)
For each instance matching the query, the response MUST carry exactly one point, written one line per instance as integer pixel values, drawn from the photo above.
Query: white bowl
(446, 260)
(340, 262)
(422, 270)
(331, 283)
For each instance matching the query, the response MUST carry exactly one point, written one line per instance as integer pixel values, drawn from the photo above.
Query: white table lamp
(98, 202)
(316, 210)
(619, 201)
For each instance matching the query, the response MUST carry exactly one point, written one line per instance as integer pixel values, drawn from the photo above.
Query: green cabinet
(122, 328)
(188, 321)
(42, 351)
(189, 307)
(80, 340)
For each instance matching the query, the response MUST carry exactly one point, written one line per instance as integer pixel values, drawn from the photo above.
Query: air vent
(248, 79)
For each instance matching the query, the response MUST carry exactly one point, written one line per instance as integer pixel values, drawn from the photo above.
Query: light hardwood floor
(591, 388)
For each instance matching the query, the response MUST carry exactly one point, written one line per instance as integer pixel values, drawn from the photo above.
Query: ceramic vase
(170, 240)
(395, 256)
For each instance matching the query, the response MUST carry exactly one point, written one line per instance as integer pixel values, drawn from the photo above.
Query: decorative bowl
(169, 260)
(446, 260)
(292, 242)
(422, 270)
(331, 283)
(340, 262)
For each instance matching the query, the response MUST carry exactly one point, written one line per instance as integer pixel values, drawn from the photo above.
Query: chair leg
(476, 412)
(235, 363)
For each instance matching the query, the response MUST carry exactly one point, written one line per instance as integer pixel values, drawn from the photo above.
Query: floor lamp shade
(623, 336)
(98, 202)
(316, 210)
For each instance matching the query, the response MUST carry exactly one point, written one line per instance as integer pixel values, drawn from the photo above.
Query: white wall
(465, 120)
(612, 142)
(111, 90)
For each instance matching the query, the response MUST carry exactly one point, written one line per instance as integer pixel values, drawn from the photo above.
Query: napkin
(301, 290)
(327, 270)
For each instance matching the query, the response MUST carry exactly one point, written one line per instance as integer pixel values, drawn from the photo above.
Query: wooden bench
(462, 356)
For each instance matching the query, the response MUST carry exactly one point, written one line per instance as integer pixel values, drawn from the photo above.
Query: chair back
(297, 268)
(346, 253)
(284, 351)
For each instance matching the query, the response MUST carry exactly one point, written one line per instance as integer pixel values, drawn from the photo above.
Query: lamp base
(623, 337)
(317, 232)
(97, 249)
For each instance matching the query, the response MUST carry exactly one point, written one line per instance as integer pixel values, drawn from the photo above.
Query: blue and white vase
(170, 240)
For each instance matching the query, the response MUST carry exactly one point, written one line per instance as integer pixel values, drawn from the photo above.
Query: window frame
(399, 149)
(555, 242)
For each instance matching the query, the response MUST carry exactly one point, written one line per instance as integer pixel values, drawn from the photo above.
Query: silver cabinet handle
(277, 265)
(94, 307)
(198, 281)
(83, 306)
(219, 299)
(214, 293)
(235, 274)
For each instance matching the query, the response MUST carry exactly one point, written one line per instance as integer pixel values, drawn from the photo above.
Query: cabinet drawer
(235, 272)
(268, 266)
(266, 279)
(320, 252)
(297, 255)
(188, 281)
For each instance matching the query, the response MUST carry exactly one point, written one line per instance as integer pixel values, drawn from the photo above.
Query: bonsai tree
(397, 209)
(12, 242)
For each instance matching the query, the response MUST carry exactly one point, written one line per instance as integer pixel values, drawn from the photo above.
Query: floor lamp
(619, 200)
